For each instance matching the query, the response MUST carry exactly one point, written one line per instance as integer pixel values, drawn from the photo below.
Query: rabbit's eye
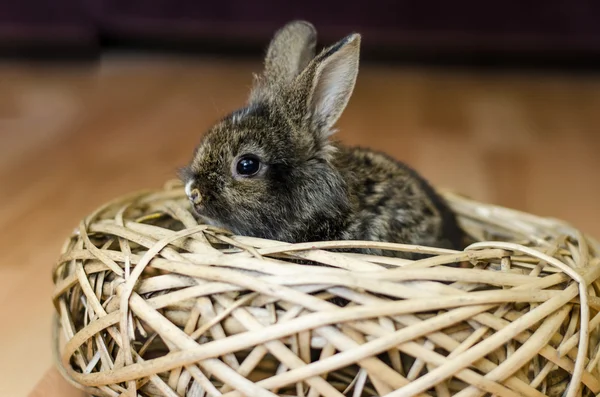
(248, 165)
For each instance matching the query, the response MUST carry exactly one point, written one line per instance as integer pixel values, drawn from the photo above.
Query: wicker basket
(150, 302)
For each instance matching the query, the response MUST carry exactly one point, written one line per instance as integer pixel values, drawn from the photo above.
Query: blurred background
(498, 100)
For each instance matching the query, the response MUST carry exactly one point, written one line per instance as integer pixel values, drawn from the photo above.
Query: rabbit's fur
(308, 187)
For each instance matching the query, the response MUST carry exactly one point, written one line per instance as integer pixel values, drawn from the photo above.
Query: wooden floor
(73, 137)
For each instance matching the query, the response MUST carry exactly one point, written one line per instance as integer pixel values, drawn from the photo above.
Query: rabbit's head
(265, 170)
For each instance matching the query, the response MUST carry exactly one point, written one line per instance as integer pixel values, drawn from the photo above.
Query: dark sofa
(434, 27)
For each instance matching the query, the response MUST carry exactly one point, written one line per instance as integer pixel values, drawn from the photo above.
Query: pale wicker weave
(150, 302)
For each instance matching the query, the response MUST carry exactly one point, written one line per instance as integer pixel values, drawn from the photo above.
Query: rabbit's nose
(193, 193)
(195, 196)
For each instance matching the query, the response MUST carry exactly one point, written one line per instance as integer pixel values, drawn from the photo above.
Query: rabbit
(272, 170)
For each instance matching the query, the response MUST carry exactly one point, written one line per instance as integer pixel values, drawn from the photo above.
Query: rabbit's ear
(331, 78)
(290, 50)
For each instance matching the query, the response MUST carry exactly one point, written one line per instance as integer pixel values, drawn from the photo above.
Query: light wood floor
(73, 137)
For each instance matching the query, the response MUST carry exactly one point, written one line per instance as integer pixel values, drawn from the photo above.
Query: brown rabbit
(270, 169)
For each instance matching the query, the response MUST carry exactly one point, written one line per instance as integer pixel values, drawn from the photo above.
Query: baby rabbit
(270, 169)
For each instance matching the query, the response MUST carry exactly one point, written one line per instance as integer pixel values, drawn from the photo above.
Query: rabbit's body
(391, 202)
(270, 170)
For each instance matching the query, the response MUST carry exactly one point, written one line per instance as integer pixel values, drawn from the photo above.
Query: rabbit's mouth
(202, 218)
(198, 206)
(199, 212)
